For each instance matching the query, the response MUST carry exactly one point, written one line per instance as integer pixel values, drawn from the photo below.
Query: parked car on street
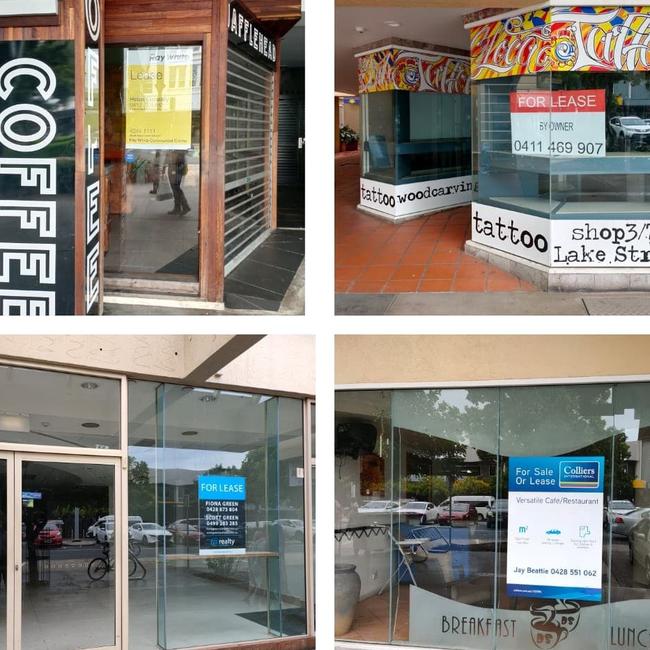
(149, 533)
(498, 511)
(92, 529)
(105, 531)
(378, 507)
(639, 543)
(185, 530)
(50, 535)
(424, 511)
(622, 523)
(629, 128)
(481, 503)
(616, 507)
(461, 514)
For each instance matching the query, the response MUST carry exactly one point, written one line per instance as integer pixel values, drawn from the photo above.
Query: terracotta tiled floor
(371, 620)
(425, 254)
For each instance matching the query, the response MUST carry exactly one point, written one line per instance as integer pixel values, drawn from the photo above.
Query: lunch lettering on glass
(222, 513)
(555, 527)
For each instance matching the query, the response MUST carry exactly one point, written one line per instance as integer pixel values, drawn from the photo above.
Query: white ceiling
(437, 26)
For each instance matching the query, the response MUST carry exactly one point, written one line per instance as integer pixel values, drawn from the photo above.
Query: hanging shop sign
(558, 123)
(562, 241)
(563, 39)
(222, 512)
(37, 172)
(555, 527)
(413, 198)
(439, 622)
(245, 31)
(92, 198)
(396, 68)
(158, 88)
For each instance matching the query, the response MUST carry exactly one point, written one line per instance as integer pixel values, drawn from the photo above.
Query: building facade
(157, 494)
(139, 149)
(492, 492)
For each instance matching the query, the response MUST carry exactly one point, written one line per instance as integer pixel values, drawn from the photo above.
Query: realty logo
(579, 474)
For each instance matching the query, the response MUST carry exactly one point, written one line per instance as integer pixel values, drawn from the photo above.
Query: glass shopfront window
(39, 407)
(219, 570)
(565, 145)
(441, 543)
(410, 137)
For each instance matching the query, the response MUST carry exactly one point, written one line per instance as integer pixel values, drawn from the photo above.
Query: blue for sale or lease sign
(222, 512)
(555, 527)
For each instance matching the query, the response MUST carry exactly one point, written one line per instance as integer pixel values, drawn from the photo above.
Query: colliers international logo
(579, 474)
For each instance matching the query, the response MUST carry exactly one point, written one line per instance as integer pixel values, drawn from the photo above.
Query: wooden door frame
(209, 202)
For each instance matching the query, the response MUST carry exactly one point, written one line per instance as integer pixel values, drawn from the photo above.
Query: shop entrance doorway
(51, 596)
(153, 169)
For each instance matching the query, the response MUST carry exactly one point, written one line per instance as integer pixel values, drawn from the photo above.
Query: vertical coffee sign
(92, 185)
(37, 161)
(222, 512)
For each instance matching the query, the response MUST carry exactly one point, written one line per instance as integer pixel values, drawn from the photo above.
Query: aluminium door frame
(8, 451)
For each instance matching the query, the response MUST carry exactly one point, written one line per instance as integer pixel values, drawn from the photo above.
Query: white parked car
(105, 531)
(92, 530)
(424, 511)
(378, 507)
(149, 533)
(623, 522)
(630, 127)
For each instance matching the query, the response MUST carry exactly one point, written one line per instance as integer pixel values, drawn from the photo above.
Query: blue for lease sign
(222, 511)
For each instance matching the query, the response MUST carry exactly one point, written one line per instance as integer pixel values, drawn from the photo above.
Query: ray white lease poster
(558, 123)
(158, 97)
(555, 527)
(222, 514)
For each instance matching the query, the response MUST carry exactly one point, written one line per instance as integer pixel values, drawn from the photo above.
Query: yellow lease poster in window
(158, 95)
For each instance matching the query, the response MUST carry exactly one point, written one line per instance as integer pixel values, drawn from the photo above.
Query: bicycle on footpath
(100, 566)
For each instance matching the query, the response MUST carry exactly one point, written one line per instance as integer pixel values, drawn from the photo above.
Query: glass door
(67, 578)
(153, 166)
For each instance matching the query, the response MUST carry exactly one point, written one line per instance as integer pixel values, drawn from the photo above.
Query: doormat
(186, 263)
(293, 621)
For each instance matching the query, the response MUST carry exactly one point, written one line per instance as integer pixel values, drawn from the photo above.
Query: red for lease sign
(558, 101)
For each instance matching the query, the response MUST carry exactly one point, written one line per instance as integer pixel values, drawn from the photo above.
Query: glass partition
(219, 475)
(410, 137)
(494, 518)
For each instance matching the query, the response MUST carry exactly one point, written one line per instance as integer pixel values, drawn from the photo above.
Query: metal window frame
(16, 452)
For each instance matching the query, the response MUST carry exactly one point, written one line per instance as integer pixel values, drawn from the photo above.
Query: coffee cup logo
(553, 622)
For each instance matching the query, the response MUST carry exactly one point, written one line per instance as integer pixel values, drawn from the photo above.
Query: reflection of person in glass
(176, 170)
(3, 550)
(34, 523)
(155, 174)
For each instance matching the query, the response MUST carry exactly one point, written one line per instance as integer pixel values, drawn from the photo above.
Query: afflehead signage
(244, 30)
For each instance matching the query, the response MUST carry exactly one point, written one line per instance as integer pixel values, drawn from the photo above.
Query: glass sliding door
(67, 528)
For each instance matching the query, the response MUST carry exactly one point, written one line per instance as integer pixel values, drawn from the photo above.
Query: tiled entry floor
(422, 255)
(263, 278)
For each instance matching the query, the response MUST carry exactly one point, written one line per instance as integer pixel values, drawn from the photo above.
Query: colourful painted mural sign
(563, 39)
(396, 68)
